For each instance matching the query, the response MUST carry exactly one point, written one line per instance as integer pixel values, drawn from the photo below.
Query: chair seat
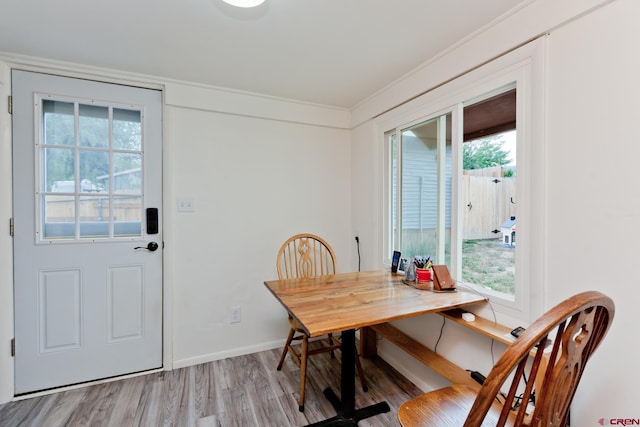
(446, 407)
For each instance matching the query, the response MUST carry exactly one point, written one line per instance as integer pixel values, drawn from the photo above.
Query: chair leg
(332, 342)
(360, 373)
(303, 371)
(286, 348)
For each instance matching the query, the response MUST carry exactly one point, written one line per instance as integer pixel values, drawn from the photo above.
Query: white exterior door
(87, 185)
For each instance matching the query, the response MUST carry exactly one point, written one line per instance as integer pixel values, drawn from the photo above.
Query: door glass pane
(93, 126)
(127, 212)
(58, 118)
(59, 216)
(127, 173)
(59, 170)
(93, 221)
(127, 130)
(93, 164)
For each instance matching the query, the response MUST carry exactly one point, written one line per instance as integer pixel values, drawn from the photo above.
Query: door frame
(7, 314)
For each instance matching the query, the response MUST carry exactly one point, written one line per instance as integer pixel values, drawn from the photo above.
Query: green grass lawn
(486, 262)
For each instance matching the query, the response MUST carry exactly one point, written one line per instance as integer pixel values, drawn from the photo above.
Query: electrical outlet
(236, 315)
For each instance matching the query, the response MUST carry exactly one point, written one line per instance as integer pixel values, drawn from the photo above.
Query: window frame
(522, 69)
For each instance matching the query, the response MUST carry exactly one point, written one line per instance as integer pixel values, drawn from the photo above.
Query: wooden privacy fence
(93, 208)
(488, 201)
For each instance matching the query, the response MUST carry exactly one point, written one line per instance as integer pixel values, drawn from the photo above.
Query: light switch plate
(186, 204)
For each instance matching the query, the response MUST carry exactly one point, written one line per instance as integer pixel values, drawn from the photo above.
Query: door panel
(59, 310)
(87, 160)
(125, 301)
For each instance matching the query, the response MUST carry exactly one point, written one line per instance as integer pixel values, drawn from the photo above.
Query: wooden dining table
(348, 301)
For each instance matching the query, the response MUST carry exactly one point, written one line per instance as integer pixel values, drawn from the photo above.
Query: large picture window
(483, 253)
(460, 184)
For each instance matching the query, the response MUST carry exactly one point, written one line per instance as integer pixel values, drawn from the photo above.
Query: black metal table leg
(347, 414)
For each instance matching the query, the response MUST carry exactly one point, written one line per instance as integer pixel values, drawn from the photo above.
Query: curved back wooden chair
(544, 376)
(307, 255)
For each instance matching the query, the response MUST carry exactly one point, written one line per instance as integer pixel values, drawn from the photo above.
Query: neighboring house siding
(419, 183)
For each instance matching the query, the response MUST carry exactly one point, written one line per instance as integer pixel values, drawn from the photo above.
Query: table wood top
(353, 300)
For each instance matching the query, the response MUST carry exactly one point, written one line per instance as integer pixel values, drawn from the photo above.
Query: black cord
(358, 245)
(468, 287)
(495, 318)
(532, 397)
(435, 349)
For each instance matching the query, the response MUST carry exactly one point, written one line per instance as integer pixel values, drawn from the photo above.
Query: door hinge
(13, 347)
(10, 104)
(11, 227)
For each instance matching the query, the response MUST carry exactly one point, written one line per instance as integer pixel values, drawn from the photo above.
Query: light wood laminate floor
(240, 391)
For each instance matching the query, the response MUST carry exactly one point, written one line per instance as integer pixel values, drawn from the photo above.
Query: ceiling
(331, 52)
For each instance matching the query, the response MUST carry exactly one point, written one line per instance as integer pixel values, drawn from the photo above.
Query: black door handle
(151, 247)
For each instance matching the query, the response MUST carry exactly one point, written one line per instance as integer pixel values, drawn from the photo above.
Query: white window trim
(524, 68)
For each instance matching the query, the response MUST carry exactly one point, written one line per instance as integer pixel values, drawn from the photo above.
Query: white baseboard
(240, 351)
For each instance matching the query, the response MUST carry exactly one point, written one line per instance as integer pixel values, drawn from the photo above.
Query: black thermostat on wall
(395, 261)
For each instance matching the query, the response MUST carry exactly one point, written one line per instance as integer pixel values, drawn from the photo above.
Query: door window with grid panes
(90, 183)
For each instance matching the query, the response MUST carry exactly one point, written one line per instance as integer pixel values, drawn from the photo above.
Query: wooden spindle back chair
(306, 256)
(544, 375)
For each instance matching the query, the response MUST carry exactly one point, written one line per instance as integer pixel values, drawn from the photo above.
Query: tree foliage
(484, 153)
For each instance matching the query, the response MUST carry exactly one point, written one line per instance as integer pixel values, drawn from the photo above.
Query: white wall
(255, 182)
(592, 190)
(368, 181)
(590, 138)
